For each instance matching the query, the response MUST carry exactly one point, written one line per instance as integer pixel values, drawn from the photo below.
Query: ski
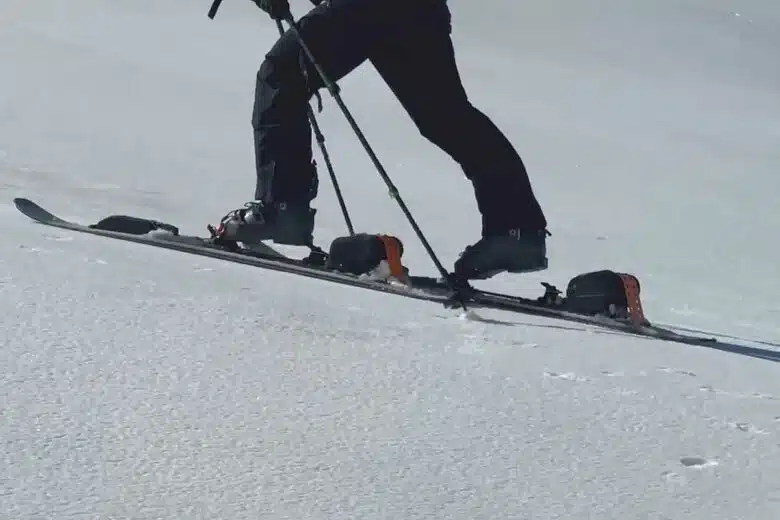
(167, 237)
(163, 235)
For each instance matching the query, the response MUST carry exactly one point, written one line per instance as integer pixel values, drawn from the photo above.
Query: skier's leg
(339, 34)
(420, 68)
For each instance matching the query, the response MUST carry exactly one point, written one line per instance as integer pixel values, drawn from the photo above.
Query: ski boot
(514, 251)
(282, 223)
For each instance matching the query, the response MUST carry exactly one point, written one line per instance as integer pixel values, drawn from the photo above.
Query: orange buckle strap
(634, 302)
(393, 248)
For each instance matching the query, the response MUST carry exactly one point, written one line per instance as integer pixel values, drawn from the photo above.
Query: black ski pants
(409, 44)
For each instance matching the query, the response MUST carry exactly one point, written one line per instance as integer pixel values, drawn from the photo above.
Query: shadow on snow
(721, 344)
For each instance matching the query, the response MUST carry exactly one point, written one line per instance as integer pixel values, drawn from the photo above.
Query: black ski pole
(321, 141)
(334, 91)
(214, 8)
(317, 132)
(391, 187)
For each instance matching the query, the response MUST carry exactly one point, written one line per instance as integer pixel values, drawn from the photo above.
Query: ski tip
(23, 204)
(35, 211)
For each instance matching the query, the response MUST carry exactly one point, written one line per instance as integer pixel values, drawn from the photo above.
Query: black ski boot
(514, 251)
(282, 223)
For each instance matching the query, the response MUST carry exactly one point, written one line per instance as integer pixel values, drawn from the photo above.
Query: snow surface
(140, 383)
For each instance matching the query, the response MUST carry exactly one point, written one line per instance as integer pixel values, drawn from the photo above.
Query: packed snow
(145, 383)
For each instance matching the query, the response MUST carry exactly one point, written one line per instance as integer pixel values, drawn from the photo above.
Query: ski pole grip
(214, 7)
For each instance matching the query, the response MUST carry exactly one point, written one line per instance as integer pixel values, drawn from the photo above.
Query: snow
(138, 383)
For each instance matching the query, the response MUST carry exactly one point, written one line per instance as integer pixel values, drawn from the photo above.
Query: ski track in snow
(139, 383)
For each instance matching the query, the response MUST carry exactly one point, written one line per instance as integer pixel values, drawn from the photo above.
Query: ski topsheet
(419, 287)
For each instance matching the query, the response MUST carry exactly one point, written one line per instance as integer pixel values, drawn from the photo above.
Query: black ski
(158, 234)
(267, 258)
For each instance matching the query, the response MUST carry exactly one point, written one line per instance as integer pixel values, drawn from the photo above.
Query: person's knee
(447, 127)
(281, 67)
(266, 73)
(280, 83)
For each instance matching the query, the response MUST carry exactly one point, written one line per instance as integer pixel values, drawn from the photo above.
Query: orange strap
(393, 254)
(632, 297)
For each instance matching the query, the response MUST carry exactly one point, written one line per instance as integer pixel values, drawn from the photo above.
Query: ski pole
(394, 193)
(391, 187)
(321, 141)
(214, 8)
